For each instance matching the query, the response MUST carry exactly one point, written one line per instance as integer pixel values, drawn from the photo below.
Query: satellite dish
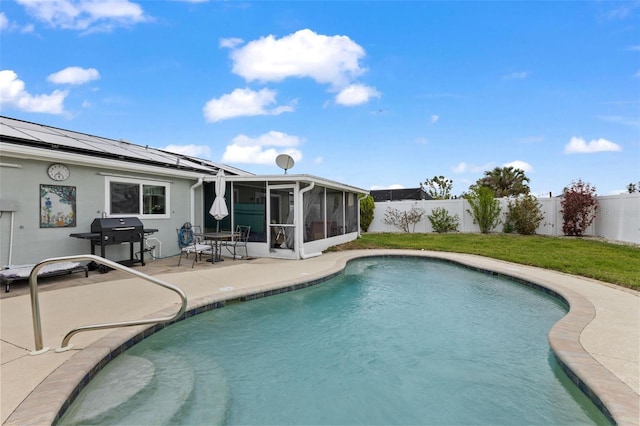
(284, 161)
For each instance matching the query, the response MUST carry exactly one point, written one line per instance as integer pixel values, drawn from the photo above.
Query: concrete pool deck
(599, 340)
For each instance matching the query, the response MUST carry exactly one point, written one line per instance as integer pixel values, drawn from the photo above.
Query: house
(56, 182)
(399, 194)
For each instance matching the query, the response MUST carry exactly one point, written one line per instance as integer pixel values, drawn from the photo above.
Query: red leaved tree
(579, 207)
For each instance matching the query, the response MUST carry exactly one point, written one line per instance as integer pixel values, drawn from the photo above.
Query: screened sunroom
(291, 216)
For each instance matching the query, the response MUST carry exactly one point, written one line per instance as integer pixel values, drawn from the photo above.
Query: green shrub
(485, 209)
(367, 206)
(441, 221)
(524, 215)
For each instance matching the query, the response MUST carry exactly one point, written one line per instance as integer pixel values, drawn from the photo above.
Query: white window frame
(141, 182)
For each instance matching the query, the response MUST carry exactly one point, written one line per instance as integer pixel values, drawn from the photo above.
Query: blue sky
(372, 94)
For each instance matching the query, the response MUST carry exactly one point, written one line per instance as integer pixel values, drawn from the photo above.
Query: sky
(374, 94)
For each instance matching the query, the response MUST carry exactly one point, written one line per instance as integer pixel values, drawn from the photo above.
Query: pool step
(120, 381)
(172, 386)
(149, 390)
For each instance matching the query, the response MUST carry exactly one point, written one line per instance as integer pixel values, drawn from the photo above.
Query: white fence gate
(617, 218)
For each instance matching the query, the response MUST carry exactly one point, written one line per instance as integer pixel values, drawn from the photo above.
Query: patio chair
(191, 242)
(240, 240)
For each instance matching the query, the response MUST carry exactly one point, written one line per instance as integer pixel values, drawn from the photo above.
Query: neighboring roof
(19, 133)
(399, 194)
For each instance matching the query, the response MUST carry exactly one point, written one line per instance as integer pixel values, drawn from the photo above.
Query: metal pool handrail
(65, 346)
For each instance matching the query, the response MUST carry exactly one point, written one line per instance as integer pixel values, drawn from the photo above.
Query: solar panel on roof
(56, 139)
(26, 125)
(11, 132)
(95, 145)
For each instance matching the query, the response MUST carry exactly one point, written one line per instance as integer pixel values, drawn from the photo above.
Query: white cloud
(463, 167)
(613, 11)
(200, 151)
(516, 75)
(460, 167)
(393, 186)
(326, 59)
(637, 75)
(74, 76)
(434, 118)
(580, 146)
(318, 160)
(4, 21)
(635, 47)
(12, 92)
(231, 43)
(356, 94)
(87, 15)
(627, 121)
(242, 103)
(7, 25)
(518, 164)
(262, 150)
(272, 138)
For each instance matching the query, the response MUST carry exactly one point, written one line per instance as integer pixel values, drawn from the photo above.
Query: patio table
(215, 238)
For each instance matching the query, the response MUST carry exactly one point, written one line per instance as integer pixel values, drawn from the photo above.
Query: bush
(441, 221)
(524, 215)
(405, 221)
(485, 209)
(367, 207)
(579, 206)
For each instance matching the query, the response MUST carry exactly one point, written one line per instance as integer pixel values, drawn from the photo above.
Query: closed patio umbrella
(219, 207)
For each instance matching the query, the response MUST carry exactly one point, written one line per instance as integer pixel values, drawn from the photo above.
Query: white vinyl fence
(618, 216)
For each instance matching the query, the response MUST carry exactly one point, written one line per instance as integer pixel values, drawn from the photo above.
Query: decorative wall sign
(57, 206)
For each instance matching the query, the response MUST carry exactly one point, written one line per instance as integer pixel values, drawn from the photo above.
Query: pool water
(389, 341)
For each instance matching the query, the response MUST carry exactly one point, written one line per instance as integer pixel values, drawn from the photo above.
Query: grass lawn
(613, 263)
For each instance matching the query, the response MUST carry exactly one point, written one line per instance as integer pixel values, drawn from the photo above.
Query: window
(313, 208)
(351, 210)
(335, 212)
(127, 197)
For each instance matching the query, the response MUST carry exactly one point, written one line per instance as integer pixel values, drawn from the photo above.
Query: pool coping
(50, 399)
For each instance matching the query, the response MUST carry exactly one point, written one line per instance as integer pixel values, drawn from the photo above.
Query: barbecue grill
(117, 230)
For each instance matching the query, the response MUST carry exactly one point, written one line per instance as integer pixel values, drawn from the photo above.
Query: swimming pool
(391, 341)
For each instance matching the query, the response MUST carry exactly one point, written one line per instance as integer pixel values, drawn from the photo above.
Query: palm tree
(505, 181)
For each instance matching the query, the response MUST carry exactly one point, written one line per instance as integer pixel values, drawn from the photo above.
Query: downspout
(301, 240)
(11, 239)
(192, 215)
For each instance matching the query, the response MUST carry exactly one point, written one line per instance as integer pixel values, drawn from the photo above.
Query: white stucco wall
(32, 243)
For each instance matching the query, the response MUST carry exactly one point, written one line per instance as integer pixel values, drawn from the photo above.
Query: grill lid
(115, 224)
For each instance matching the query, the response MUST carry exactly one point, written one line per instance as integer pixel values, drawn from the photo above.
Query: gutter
(301, 240)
